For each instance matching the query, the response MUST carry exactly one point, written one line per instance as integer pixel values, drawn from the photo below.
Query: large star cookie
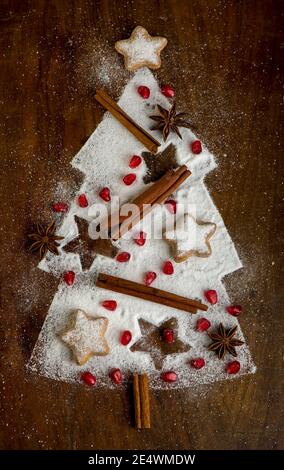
(153, 341)
(86, 336)
(190, 238)
(141, 49)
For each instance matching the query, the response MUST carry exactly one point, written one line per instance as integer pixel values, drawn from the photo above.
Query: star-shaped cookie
(86, 247)
(86, 336)
(160, 163)
(141, 49)
(190, 238)
(153, 342)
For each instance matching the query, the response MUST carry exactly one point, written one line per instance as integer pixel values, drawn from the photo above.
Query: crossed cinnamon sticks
(124, 286)
(158, 193)
(108, 103)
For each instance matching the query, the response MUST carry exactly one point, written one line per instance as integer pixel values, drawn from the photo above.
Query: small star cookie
(190, 238)
(141, 49)
(85, 336)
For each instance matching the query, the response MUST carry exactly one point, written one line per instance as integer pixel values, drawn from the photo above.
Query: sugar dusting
(51, 357)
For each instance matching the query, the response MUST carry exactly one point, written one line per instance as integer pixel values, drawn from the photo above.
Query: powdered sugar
(104, 160)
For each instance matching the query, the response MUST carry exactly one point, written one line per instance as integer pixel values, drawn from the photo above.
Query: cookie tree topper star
(85, 336)
(190, 238)
(141, 49)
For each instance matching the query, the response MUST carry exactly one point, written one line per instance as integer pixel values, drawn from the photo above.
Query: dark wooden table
(223, 58)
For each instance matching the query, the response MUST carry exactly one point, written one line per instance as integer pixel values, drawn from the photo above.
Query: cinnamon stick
(145, 401)
(137, 402)
(146, 139)
(141, 401)
(151, 294)
(143, 198)
(157, 194)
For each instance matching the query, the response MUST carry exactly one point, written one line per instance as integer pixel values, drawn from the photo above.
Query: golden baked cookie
(141, 49)
(86, 336)
(190, 238)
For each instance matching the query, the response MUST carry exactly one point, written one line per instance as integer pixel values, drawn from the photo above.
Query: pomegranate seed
(233, 367)
(69, 278)
(144, 91)
(123, 257)
(60, 207)
(129, 179)
(126, 337)
(234, 310)
(135, 161)
(88, 378)
(171, 206)
(116, 376)
(168, 335)
(140, 239)
(196, 147)
(83, 201)
(168, 91)
(110, 305)
(169, 376)
(202, 325)
(197, 363)
(105, 194)
(168, 268)
(150, 277)
(211, 296)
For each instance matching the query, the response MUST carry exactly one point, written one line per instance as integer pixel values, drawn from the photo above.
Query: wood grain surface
(224, 60)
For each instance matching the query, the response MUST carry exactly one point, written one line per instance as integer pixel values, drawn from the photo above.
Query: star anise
(169, 121)
(224, 341)
(44, 240)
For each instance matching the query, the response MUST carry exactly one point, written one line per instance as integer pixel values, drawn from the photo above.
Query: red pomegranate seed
(168, 91)
(144, 91)
(123, 257)
(116, 376)
(82, 200)
(135, 161)
(197, 363)
(105, 194)
(196, 147)
(110, 305)
(129, 179)
(169, 376)
(69, 278)
(126, 337)
(89, 378)
(60, 207)
(211, 296)
(233, 367)
(234, 310)
(150, 277)
(140, 239)
(171, 206)
(202, 325)
(168, 268)
(168, 335)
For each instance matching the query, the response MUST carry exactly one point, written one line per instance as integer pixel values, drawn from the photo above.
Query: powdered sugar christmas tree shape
(104, 160)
